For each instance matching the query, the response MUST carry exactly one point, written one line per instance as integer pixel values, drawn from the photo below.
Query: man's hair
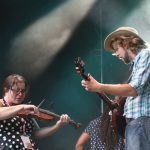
(12, 80)
(134, 43)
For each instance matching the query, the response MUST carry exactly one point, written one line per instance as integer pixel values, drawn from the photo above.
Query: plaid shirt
(140, 80)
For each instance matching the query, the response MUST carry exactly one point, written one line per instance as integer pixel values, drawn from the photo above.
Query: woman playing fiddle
(17, 132)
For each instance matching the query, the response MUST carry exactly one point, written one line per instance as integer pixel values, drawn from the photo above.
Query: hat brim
(108, 39)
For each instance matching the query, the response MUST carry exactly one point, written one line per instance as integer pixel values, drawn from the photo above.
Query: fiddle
(46, 115)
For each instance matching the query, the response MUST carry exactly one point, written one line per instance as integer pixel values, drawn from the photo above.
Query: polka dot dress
(11, 130)
(95, 140)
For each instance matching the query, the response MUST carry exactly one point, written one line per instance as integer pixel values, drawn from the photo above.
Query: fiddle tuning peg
(76, 125)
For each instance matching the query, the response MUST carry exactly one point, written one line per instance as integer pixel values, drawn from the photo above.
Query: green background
(58, 83)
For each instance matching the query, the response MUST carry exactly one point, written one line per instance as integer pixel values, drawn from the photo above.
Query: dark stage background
(40, 40)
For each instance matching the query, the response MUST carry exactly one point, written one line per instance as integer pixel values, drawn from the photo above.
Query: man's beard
(126, 58)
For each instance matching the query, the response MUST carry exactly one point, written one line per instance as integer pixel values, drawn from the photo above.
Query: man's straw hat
(125, 31)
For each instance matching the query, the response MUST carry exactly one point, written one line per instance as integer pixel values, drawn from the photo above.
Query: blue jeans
(137, 134)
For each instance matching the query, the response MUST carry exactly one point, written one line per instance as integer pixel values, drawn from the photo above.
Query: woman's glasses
(18, 90)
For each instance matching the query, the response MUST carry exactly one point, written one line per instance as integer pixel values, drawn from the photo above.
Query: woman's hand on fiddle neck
(64, 119)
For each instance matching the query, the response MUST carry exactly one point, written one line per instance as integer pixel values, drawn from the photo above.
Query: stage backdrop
(40, 40)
